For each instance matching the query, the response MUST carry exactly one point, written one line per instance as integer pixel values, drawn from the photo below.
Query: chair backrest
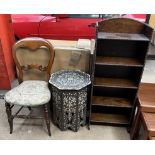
(33, 58)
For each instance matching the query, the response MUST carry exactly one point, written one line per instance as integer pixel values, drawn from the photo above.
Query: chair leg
(46, 115)
(10, 119)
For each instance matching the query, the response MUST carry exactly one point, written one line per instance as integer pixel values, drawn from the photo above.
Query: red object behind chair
(7, 71)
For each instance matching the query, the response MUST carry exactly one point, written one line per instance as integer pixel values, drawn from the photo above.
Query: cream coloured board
(69, 55)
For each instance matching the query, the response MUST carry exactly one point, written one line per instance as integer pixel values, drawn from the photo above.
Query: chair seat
(29, 93)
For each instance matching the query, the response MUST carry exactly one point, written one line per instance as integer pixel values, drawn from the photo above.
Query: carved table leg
(10, 119)
(46, 115)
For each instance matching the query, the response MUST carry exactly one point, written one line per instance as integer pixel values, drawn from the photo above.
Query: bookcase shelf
(118, 61)
(122, 36)
(109, 119)
(117, 67)
(114, 82)
(106, 101)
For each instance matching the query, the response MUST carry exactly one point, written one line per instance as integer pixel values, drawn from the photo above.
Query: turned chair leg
(10, 119)
(46, 115)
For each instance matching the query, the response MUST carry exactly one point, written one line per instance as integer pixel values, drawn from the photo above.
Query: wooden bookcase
(117, 67)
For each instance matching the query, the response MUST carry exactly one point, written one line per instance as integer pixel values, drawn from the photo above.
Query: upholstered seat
(29, 93)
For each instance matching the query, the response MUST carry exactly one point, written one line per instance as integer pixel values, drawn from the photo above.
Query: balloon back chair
(33, 58)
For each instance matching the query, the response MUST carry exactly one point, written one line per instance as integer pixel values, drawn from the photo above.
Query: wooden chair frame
(33, 44)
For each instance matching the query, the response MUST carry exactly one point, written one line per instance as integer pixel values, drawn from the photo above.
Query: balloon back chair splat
(33, 58)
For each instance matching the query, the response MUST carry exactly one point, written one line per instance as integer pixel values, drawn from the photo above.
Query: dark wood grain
(118, 61)
(125, 25)
(122, 36)
(114, 82)
(109, 118)
(111, 101)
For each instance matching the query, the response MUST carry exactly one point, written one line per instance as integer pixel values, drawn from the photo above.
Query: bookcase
(117, 67)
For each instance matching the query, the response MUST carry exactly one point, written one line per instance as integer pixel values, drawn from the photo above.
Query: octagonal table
(69, 95)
